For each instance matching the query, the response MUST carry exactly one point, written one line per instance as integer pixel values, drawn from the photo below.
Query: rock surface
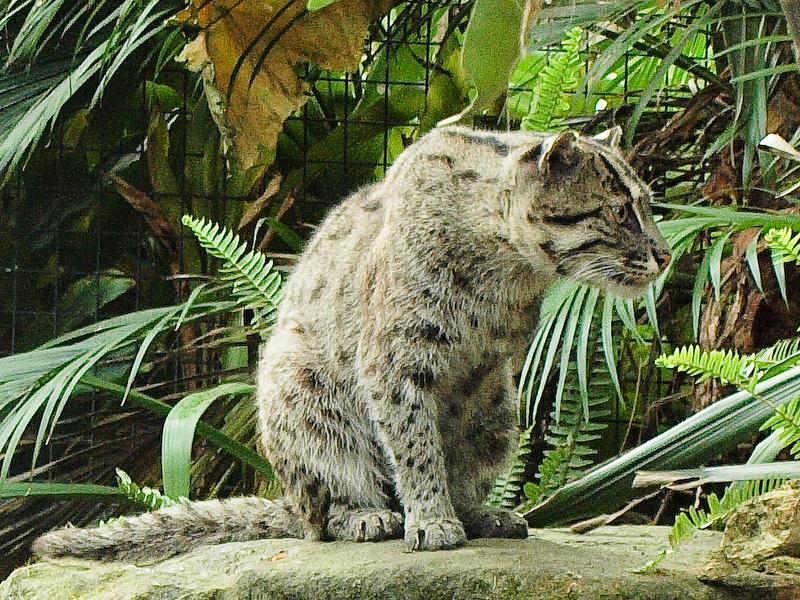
(550, 565)
(762, 540)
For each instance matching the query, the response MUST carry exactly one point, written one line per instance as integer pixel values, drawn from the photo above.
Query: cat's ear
(555, 157)
(557, 151)
(610, 137)
(547, 160)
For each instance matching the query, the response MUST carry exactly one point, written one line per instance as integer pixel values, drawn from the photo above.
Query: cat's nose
(663, 258)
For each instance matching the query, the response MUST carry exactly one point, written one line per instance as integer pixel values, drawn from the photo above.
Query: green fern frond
(785, 420)
(782, 351)
(508, 485)
(745, 371)
(718, 511)
(558, 78)
(571, 434)
(785, 244)
(714, 517)
(256, 285)
(149, 498)
(728, 366)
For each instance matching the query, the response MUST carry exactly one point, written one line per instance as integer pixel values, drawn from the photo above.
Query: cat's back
(319, 295)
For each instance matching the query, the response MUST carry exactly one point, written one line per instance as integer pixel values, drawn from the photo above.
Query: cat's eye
(620, 212)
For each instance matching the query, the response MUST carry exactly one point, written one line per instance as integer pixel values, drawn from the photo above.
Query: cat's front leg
(400, 381)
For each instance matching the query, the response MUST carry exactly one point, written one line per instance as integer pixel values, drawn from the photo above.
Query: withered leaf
(263, 46)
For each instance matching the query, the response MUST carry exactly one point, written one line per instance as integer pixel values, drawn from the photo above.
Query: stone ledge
(552, 564)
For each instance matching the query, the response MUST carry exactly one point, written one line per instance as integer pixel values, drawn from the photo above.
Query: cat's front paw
(488, 522)
(365, 525)
(435, 534)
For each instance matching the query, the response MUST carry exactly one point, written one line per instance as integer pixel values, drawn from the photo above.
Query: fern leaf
(558, 77)
(507, 486)
(150, 498)
(785, 245)
(728, 366)
(256, 285)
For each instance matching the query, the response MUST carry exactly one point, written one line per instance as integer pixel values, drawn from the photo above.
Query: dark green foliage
(256, 285)
(508, 485)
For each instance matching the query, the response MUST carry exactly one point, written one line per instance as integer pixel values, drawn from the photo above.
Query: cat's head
(578, 210)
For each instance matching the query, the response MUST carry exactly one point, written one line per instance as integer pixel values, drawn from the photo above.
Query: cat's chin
(632, 290)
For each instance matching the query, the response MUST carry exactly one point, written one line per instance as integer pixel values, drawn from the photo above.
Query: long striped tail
(174, 530)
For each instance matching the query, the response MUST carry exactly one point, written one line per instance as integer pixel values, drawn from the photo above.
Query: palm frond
(41, 381)
(38, 83)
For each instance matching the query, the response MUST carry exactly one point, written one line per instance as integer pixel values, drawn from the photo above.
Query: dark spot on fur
(342, 231)
(468, 175)
(371, 206)
(410, 420)
(478, 373)
(434, 333)
(499, 398)
(531, 217)
(547, 248)
(460, 280)
(331, 414)
(317, 291)
(422, 379)
(410, 463)
(441, 158)
(480, 140)
(342, 358)
(310, 379)
(426, 185)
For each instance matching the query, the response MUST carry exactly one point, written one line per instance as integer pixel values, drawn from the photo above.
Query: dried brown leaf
(262, 46)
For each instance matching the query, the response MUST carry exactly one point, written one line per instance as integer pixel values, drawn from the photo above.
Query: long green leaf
(179, 431)
(702, 437)
(567, 342)
(608, 343)
(67, 490)
(553, 345)
(215, 436)
(751, 255)
(587, 318)
(697, 292)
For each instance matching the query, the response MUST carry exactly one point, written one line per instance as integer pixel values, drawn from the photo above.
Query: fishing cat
(385, 392)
